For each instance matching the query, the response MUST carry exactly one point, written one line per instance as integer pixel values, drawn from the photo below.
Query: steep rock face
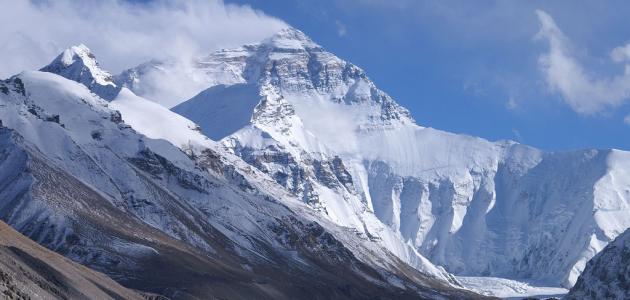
(607, 275)
(29, 271)
(473, 206)
(80, 181)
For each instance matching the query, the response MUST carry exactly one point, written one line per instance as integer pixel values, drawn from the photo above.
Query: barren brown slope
(29, 271)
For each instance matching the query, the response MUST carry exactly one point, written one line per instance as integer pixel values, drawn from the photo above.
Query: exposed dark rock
(116, 117)
(607, 275)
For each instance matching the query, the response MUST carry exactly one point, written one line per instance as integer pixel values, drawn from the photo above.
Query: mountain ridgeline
(179, 220)
(277, 170)
(319, 127)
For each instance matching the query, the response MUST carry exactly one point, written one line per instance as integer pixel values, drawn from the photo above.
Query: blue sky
(473, 66)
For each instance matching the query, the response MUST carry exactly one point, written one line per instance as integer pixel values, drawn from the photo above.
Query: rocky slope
(29, 271)
(607, 275)
(320, 128)
(186, 221)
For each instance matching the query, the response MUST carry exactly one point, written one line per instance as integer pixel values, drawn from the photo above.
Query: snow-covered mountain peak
(290, 85)
(288, 64)
(290, 38)
(82, 55)
(78, 63)
(321, 128)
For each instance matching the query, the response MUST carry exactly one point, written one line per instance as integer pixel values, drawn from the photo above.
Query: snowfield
(509, 289)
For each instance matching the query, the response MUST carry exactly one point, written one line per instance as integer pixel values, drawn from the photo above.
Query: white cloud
(123, 34)
(512, 104)
(585, 93)
(341, 28)
(621, 54)
(627, 119)
(517, 135)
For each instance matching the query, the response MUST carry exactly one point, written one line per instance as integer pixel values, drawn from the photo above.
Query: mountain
(607, 275)
(139, 194)
(321, 128)
(29, 271)
(78, 62)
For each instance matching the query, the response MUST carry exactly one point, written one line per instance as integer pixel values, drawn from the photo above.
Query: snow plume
(580, 89)
(123, 33)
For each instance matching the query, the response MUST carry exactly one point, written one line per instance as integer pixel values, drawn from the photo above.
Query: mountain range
(278, 170)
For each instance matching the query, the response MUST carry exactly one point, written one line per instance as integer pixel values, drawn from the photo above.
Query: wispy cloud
(121, 33)
(517, 135)
(511, 104)
(341, 28)
(579, 88)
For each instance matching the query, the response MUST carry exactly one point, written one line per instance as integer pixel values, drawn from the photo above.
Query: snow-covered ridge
(290, 39)
(157, 122)
(79, 63)
(82, 54)
(289, 60)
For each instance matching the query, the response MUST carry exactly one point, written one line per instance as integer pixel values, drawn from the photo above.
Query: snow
(509, 289)
(157, 122)
(170, 83)
(83, 54)
(77, 63)
(63, 96)
(290, 39)
(231, 112)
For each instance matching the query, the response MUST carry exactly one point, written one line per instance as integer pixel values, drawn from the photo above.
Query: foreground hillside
(29, 271)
